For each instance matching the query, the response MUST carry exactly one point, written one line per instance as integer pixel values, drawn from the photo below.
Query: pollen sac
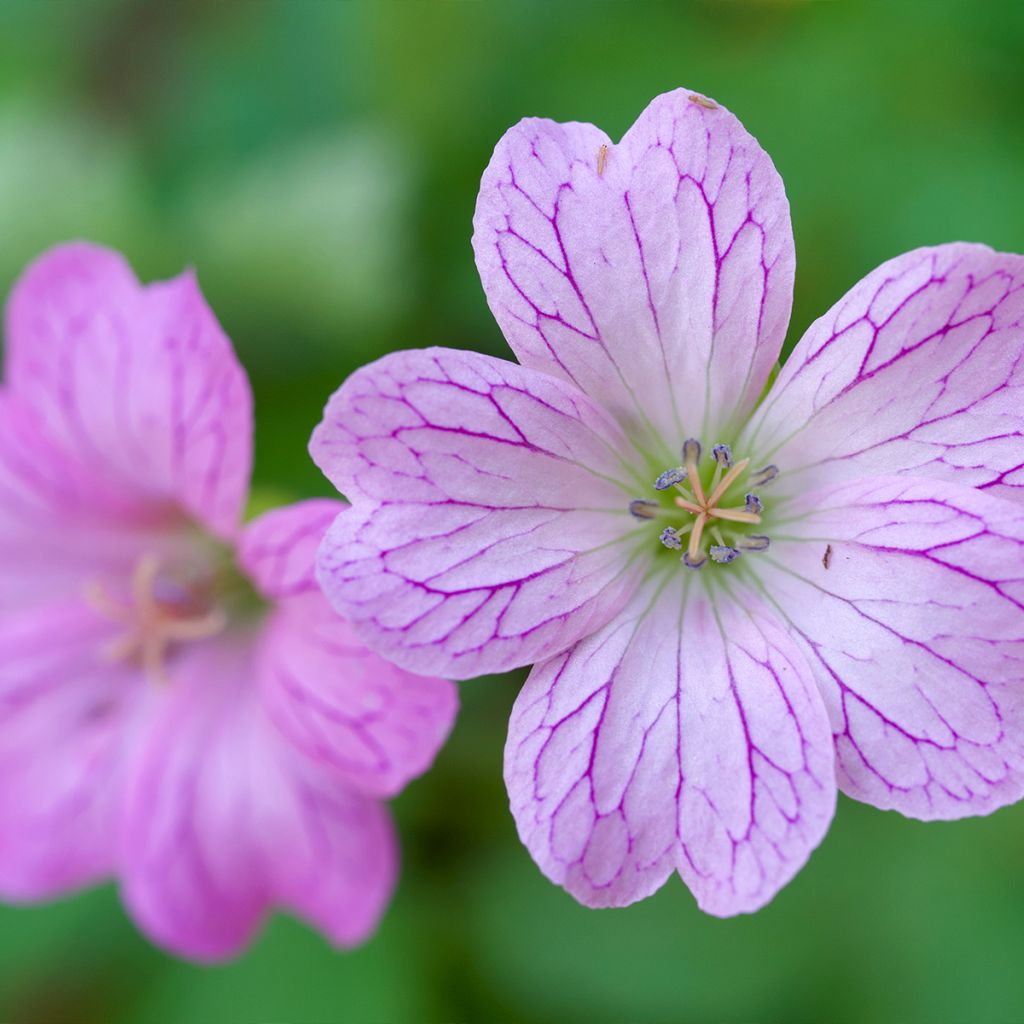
(723, 554)
(670, 538)
(754, 504)
(691, 450)
(763, 476)
(670, 478)
(642, 508)
(753, 542)
(697, 563)
(722, 454)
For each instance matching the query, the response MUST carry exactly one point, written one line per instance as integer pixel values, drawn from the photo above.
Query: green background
(318, 163)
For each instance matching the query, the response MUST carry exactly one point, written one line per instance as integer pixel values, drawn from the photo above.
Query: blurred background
(318, 163)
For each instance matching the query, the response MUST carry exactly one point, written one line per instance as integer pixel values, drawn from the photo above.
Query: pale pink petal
(915, 632)
(65, 721)
(138, 384)
(688, 735)
(918, 369)
(224, 822)
(372, 723)
(655, 274)
(489, 528)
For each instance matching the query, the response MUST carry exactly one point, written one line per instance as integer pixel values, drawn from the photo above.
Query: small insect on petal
(642, 508)
(703, 101)
(602, 157)
(670, 478)
(826, 559)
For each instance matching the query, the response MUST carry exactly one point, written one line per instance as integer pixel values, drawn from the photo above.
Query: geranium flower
(735, 603)
(179, 706)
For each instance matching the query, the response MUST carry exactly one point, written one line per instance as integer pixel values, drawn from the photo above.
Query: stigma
(714, 510)
(159, 616)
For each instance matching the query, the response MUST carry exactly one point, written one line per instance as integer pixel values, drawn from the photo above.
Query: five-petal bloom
(179, 706)
(827, 591)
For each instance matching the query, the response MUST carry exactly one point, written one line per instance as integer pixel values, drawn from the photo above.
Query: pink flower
(735, 604)
(179, 706)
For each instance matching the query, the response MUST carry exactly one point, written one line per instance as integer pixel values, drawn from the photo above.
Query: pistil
(152, 625)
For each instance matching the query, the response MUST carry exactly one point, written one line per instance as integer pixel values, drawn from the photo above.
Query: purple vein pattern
(180, 708)
(688, 218)
(922, 681)
(452, 556)
(699, 722)
(920, 368)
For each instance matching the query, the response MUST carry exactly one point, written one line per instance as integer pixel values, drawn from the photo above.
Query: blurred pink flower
(179, 706)
(829, 590)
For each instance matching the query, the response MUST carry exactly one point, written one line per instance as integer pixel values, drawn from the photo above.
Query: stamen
(754, 504)
(689, 506)
(152, 623)
(642, 508)
(735, 515)
(691, 564)
(722, 454)
(727, 481)
(723, 554)
(691, 456)
(753, 542)
(670, 478)
(97, 598)
(670, 539)
(698, 529)
(763, 476)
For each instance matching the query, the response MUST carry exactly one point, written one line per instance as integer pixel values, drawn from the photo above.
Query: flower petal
(278, 549)
(915, 631)
(374, 724)
(687, 734)
(138, 384)
(487, 529)
(656, 275)
(918, 369)
(59, 525)
(65, 717)
(223, 822)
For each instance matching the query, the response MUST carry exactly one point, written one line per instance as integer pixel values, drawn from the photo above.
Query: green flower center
(711, 512)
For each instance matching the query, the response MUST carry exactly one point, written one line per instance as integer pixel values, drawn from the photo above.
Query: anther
(670, 539)
(723, 554)
(763, 476)
(754, 504)
(691, 563)
(691, 450)
(753, 542)
(722, 454)
(670, 478)
(642, 508)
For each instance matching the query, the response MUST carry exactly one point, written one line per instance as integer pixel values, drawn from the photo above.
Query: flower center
(711, 516)
(160, 614)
